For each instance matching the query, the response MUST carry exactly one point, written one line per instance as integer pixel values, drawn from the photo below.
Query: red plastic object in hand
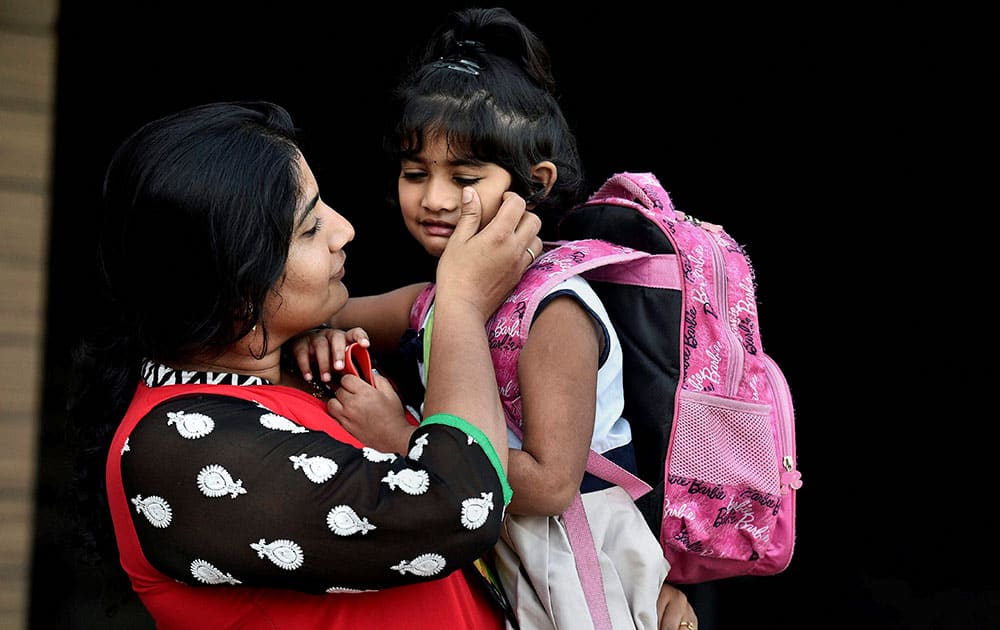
(359, 363)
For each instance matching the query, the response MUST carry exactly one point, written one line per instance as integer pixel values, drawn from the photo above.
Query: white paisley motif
(409, 481)
(476, 511)
(156, 510)
(424, 564)
(281, 423)
(418, 447)
(283, 553)
(344, 521)
(377, 456)
(206, 573)
(318, 469)
(215, 481)
(344, 589)
(190, 425)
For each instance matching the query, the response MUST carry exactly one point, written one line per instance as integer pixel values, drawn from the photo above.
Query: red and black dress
(238, 503)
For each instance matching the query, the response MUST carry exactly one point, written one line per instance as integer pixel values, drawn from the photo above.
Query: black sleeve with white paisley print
(225, 492)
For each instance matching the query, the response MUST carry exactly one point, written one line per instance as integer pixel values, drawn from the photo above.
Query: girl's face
(312, 289)
(430, 192)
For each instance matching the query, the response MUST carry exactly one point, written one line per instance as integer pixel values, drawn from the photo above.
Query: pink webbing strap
(588, 567)
(602, 467)
(661, 271)
(581, 541)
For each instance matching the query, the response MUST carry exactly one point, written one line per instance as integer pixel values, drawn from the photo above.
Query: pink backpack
(710, 411)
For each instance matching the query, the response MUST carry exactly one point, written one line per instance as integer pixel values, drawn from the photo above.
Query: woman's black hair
(198, 216)
(485, 84)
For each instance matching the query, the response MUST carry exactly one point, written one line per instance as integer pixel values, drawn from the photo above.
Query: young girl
(479, 111)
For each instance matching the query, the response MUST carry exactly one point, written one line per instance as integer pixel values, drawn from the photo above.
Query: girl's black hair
(198, 216)
(484, 82)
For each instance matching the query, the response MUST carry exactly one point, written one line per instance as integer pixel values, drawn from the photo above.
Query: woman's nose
(342, 231)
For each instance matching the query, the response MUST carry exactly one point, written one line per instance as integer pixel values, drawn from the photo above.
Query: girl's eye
(315, 228)
(468, 181)
(413, 175)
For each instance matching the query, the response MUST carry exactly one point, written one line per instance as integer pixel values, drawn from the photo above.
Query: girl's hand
(374, 415)
(674, 610)
(317, 347)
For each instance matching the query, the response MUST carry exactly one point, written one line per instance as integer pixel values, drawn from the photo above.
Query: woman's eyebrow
(304, 214)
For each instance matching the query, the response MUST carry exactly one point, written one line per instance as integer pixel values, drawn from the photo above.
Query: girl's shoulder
(578, 288)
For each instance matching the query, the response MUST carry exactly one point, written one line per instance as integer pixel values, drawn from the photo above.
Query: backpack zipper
(735, 350)
(783, 409)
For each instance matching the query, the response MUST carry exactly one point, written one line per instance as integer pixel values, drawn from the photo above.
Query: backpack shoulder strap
(418, 311)
(508, 328)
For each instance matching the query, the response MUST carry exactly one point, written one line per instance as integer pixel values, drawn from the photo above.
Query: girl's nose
(442, 196)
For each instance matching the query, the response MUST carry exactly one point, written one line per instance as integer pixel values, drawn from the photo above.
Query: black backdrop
(792, 130)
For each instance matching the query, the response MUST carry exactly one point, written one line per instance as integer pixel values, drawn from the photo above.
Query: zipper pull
(791, 479)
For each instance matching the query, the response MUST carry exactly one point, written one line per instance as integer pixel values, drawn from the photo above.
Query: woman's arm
(223, 484)
(471, 284)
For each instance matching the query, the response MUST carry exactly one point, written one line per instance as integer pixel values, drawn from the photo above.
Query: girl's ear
(545, 173)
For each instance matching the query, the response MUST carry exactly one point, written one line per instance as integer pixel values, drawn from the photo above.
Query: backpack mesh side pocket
(723, 488)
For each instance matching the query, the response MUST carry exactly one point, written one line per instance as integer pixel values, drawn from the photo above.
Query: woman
(235, 499)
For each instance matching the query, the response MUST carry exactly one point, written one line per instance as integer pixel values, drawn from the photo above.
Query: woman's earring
(250, 316)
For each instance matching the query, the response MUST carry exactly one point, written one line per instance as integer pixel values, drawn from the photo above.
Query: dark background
(808, 136)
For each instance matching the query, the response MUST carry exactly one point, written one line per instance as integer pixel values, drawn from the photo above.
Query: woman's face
(312, 289)
(430, 192)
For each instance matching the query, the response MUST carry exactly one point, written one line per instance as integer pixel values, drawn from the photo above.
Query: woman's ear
(544, 173)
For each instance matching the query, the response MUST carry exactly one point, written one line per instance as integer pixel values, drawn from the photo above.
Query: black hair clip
(470, 44)
(459, 64)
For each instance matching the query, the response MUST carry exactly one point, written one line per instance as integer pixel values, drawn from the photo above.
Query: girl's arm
(385, 316)
(557, 371)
